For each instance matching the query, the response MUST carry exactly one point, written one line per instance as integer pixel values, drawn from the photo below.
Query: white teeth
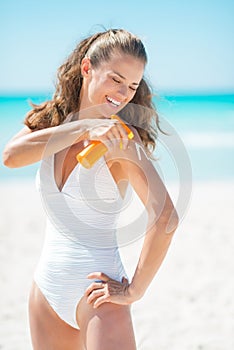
(116, 103)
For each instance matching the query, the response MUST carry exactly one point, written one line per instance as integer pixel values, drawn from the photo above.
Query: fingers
(106, 290)
(95, 297)
(98, 293)
(93, 286)
(99, 276)
(125, 280)
(123, 135)
(111, 133)
(100, 301)
(116, 136)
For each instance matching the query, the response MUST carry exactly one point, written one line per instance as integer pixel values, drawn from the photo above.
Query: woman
(81, 297)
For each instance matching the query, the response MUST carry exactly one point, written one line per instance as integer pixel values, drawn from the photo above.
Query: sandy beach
(189, 305)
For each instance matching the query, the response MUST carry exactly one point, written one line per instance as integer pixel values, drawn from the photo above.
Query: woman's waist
(81, 237)
(67, 262)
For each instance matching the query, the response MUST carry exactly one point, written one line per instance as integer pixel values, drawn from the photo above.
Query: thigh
(48, 331)
(107, 327)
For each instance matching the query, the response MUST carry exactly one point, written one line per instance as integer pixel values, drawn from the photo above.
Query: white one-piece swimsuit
(80, 234)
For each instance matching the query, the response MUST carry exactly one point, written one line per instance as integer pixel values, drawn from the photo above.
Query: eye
(116, 80)
(133, 89)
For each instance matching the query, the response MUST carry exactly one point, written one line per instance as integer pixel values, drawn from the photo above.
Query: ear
(85, 66)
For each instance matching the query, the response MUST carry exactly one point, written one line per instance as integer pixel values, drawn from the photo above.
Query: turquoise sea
(203, 124)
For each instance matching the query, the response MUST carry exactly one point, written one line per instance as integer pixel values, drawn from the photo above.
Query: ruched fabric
(80, 234)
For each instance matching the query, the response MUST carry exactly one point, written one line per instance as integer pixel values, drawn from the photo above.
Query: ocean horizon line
(156, 93)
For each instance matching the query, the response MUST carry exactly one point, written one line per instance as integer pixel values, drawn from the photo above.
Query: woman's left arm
(162, 223)
(162, 220)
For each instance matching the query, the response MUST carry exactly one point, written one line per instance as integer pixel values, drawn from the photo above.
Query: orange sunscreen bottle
(96, 149)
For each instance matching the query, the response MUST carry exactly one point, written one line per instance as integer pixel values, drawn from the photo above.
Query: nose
(123, 91)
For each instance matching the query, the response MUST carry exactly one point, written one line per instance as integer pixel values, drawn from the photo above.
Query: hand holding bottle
(97, 148)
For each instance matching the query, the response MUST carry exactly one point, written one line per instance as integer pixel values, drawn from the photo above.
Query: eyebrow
(121, 76)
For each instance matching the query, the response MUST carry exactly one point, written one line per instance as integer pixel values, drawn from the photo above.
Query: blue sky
(189, 43)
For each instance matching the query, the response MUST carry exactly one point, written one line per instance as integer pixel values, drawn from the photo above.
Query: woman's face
(111, 85)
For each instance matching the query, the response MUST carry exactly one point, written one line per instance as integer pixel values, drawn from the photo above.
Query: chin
(107, 111)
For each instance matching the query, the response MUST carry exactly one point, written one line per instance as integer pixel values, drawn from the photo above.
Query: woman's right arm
(29, 146)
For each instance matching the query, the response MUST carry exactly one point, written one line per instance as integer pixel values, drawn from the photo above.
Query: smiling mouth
(113, 101)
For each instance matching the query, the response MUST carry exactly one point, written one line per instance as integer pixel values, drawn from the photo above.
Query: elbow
(8, 159)
(170, 217)
(173, 222)
(169, 221)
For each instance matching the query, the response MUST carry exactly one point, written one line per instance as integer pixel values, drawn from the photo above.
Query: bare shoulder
(136, 151)
(133, 159)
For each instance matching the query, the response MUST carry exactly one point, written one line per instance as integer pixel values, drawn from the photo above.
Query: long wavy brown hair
(140, 112)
